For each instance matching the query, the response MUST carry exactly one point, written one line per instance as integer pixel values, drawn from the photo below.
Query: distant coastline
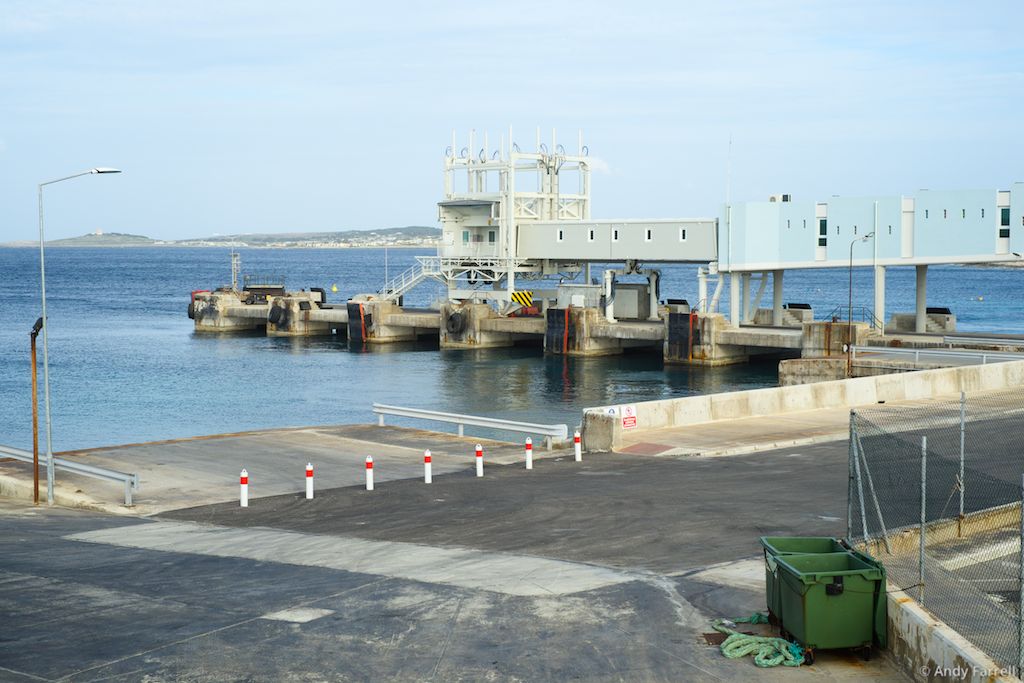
(409, 237)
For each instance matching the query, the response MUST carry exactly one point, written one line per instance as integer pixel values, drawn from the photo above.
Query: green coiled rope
(768, 651)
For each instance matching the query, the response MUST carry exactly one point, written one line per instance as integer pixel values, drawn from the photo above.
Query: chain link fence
(936, 494)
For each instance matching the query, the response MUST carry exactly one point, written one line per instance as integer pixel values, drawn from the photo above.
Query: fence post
(854, 453)
(1020, 602)
(960, 479)
(849, 485)
(924, 490)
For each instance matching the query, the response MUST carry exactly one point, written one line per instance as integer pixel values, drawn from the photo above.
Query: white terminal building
(520, 222)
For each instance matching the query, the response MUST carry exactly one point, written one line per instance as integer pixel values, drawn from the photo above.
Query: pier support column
(921, 312)
(777, 298)
(570, 332)
(745, 298)
(691, 339)
(652, 283)
(461, 327)
(734, 299)
(879, 323)
(290, 316)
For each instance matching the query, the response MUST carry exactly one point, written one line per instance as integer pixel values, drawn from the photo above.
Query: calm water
(126, 366)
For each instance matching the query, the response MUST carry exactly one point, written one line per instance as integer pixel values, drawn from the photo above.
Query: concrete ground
(609, 569)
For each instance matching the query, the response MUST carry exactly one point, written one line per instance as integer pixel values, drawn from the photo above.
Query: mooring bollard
(243, 480)
(529, 453)
(479, 460)
(577, 446)
(309, 481)
(369, 473)
(427, 478)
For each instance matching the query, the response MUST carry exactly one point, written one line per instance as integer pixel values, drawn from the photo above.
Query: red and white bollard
(479, 460)
(243, 480)
(427, 478)
(309, 481)
(529, 453)
(369, 473)
(577, 446)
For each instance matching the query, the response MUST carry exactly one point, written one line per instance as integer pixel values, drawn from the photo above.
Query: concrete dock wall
(926, 649)
(603, 427)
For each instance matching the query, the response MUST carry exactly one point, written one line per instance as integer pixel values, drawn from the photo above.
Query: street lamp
(46, 326)
(849, 310)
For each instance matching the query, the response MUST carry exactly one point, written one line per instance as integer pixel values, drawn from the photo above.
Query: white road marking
(740, 574)
(993, 551)
(491, 571)
(299, 615)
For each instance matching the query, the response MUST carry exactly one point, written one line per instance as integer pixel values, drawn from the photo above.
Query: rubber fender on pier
(278, 316)
(456, 323)
(191, 310)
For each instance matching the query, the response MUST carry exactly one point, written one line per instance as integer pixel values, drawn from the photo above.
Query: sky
(253, 116)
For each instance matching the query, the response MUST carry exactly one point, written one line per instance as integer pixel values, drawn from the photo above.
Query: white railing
(131, 481)
(549, 432)
(426, 266)
(976, 357)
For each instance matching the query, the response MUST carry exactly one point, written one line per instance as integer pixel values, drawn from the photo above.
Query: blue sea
(127, 367)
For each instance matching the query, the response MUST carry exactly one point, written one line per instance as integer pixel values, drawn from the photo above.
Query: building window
(890, 229)
(647, 235)
(615, 235)
(465, 236)
(926, 213)
(963, 213)
(1004, 217)
(491, 236)
(805, 224)
(1004, 232)
(855, 230)
(590, 235)
(788, 226)
(945, 214)
(983, 213)
(561, 234)
(822, 241)
(682, 234)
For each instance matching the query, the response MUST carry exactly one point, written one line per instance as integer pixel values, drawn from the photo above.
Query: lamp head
(38, 326)
(104, 169)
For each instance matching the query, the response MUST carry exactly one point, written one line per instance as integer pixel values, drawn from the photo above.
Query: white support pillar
(652, 284)
(921, 317)
(609, 300)
(702, 290)
(777, 297)
(880, 299)
(745, 297)
(734, 299)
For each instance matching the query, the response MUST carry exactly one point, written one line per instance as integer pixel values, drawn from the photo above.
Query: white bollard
(369, 473)
(309, 481)
(427, 478)
(243, 480)
(577, 446)
(479, 460)
(529, 453)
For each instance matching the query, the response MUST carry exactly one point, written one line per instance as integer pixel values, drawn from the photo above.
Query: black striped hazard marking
(523, 298)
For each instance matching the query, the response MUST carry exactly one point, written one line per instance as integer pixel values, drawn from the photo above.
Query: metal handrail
(130, 480)
(866, 315)
(558, 431)
(985, 356)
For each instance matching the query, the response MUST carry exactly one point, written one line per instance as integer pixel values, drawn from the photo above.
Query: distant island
(408, 236)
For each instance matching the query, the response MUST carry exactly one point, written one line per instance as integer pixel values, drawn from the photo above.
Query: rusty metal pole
(35, 417)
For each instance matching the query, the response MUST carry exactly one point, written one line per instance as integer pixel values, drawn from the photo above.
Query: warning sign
(629, 417)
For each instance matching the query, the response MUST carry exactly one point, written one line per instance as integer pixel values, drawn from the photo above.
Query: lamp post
(46, 327)
(849, 310)
(35, 412)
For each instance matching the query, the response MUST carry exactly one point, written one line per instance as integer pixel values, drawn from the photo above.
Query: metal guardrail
(131, 481)
(979, 339)
(981, 357)
(549, 432)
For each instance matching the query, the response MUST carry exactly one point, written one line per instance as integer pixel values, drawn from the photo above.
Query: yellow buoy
(334, 288)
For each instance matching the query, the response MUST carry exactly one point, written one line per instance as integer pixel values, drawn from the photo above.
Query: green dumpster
(829, 600)
(774, 546)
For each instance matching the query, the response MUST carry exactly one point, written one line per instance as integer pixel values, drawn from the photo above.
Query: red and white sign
(629, 417)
